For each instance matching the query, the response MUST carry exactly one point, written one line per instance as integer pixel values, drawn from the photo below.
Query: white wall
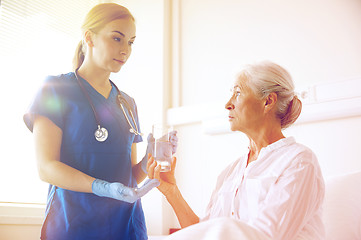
(317, 41)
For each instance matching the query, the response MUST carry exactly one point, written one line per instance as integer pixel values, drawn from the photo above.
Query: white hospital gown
(280, 194)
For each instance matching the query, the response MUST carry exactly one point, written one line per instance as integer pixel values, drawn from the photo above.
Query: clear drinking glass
(162, 146)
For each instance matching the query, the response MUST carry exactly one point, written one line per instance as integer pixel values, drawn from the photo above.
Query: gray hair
(267, 77)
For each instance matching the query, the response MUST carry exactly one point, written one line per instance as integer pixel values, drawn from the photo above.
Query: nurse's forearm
(64, 176)
(48, 140)
(185, 214)
(137, 166)
(138, 173)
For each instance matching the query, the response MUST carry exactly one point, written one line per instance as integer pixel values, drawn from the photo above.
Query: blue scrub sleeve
(48, 102)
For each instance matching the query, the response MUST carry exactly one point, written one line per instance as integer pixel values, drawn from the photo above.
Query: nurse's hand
(173, 139)
(167, 179)
(120, 192)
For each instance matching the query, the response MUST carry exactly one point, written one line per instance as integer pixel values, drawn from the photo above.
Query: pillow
(342, 207)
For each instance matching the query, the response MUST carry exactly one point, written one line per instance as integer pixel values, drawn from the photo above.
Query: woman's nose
(125, 49)
(229, 105)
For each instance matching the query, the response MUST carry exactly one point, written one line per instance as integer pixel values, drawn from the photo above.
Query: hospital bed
(342, 215)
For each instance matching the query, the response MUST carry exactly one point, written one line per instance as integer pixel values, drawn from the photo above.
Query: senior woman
(276, 189)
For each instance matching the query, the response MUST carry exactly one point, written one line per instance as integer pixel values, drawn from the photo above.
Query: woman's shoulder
(60, 79)
(300, 149)
(59, 83)
(130, 100)
(299, 155)
(287, 153)
(288, 146)
(126, 96)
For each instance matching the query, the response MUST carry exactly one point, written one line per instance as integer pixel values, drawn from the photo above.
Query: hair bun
(293, 112)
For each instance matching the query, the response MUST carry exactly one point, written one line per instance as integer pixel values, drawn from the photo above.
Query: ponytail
(293, 112)
(78, 56)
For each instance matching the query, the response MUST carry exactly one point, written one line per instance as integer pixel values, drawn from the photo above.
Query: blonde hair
(95, 20)
(267, 77)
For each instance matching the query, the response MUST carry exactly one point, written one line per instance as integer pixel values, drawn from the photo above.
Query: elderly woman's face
(246, 111)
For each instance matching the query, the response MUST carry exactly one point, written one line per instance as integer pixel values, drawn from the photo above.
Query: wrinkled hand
(120, 192)
(173, 140)
(167, 179)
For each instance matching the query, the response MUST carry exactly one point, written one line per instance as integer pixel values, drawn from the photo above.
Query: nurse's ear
(88, 37)
(270, 102)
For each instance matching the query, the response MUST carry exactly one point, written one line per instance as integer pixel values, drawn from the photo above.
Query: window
(38, 38)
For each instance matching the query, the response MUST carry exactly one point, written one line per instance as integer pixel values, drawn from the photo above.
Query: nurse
(276, 189)
(84, 147)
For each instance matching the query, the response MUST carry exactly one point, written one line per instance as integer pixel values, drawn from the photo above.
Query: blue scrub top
(75, 215)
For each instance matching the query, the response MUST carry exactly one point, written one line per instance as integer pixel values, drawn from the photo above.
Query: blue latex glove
(173, 139)
(118, 191)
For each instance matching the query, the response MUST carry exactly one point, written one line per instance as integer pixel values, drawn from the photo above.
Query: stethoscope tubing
(121, 99)
(101, 133)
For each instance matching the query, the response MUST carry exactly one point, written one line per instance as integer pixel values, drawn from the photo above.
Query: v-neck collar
(94, 94)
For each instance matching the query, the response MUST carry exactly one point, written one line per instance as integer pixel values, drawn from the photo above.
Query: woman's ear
(270, 102)
(88, 37)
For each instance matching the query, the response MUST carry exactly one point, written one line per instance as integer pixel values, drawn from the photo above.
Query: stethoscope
(101, 133)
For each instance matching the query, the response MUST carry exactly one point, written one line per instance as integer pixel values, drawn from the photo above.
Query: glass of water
(162, 146)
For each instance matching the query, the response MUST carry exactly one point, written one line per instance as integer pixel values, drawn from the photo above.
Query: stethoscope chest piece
(101, 134)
